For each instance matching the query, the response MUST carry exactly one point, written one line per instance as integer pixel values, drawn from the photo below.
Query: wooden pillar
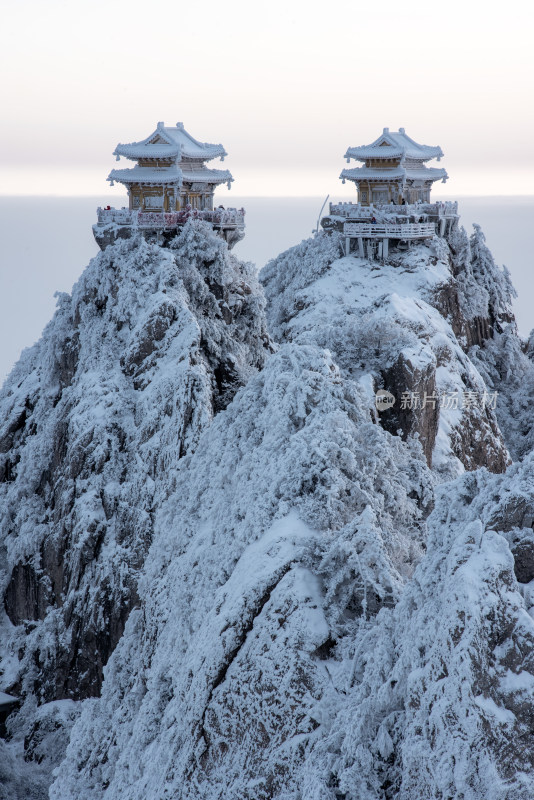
(385, 247)
(347, 245)
(360, 247)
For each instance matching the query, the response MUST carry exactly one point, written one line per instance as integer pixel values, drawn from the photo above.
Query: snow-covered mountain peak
(228, 573)
(401, 322)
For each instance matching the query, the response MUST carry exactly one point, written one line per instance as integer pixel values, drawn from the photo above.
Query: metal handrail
(378, 231)
(448, 208)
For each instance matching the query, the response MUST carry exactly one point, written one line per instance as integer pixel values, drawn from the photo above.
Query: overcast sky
(285, 86)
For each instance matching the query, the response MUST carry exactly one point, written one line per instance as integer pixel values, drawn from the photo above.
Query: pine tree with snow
(495, 280)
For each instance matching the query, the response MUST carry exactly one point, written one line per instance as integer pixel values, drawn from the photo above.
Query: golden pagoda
(169, 184)
(394, 170)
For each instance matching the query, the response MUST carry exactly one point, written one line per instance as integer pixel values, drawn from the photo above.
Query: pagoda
(171, 171)
(393, 209)
(168, 184)
(394, 170)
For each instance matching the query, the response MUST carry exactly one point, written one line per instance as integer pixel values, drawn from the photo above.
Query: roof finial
(180, 125)
(401, 130)
(386, 130)
(161, 124)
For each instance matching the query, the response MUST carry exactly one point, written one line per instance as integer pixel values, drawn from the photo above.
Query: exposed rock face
(405, 378)
(476, 442)
(26, 596)
(470, 331)
(95, 418)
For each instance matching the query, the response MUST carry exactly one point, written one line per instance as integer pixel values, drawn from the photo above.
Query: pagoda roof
(395, 173)
(170, 142)
(396, 144)
(152, 175)
(207, 175)
(135, 151)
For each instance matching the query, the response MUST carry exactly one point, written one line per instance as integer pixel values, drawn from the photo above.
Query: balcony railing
(122, 216)
(219, 217)
(446, 209)
(422, 230)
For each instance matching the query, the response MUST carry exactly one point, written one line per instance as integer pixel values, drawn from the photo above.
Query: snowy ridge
(439, 701)
(324, 609)
(131, 369)
(290, 442)
(390, 321)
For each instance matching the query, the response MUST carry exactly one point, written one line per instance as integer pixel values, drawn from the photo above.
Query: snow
(367, 314)
(394, 173)
(501, 715)
(205, 175)
(139, 174)
(517, 682)
(135, 151)
(431, 650)
(113, 395)
(282, 459)
(397, 141)
(318, 612)
(175, 135)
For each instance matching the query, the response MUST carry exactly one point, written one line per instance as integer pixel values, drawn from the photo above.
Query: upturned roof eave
(146, 175)
(136, 151)
(207, 150)
(400, 173)
(207, 176)
(364, 153)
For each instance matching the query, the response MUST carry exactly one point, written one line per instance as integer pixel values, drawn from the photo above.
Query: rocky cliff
(228, 573)
(151, 344)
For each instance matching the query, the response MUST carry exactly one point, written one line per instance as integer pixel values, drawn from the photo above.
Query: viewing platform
(374, 238)
(397, 225)
(161, 226)
(435, 211)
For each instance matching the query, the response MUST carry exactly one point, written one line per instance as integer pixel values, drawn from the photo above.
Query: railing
(223, 217)
(378, 231)
(156, 219)
(346, 209)
(219, 217)
(448, 208)
(122, 216)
